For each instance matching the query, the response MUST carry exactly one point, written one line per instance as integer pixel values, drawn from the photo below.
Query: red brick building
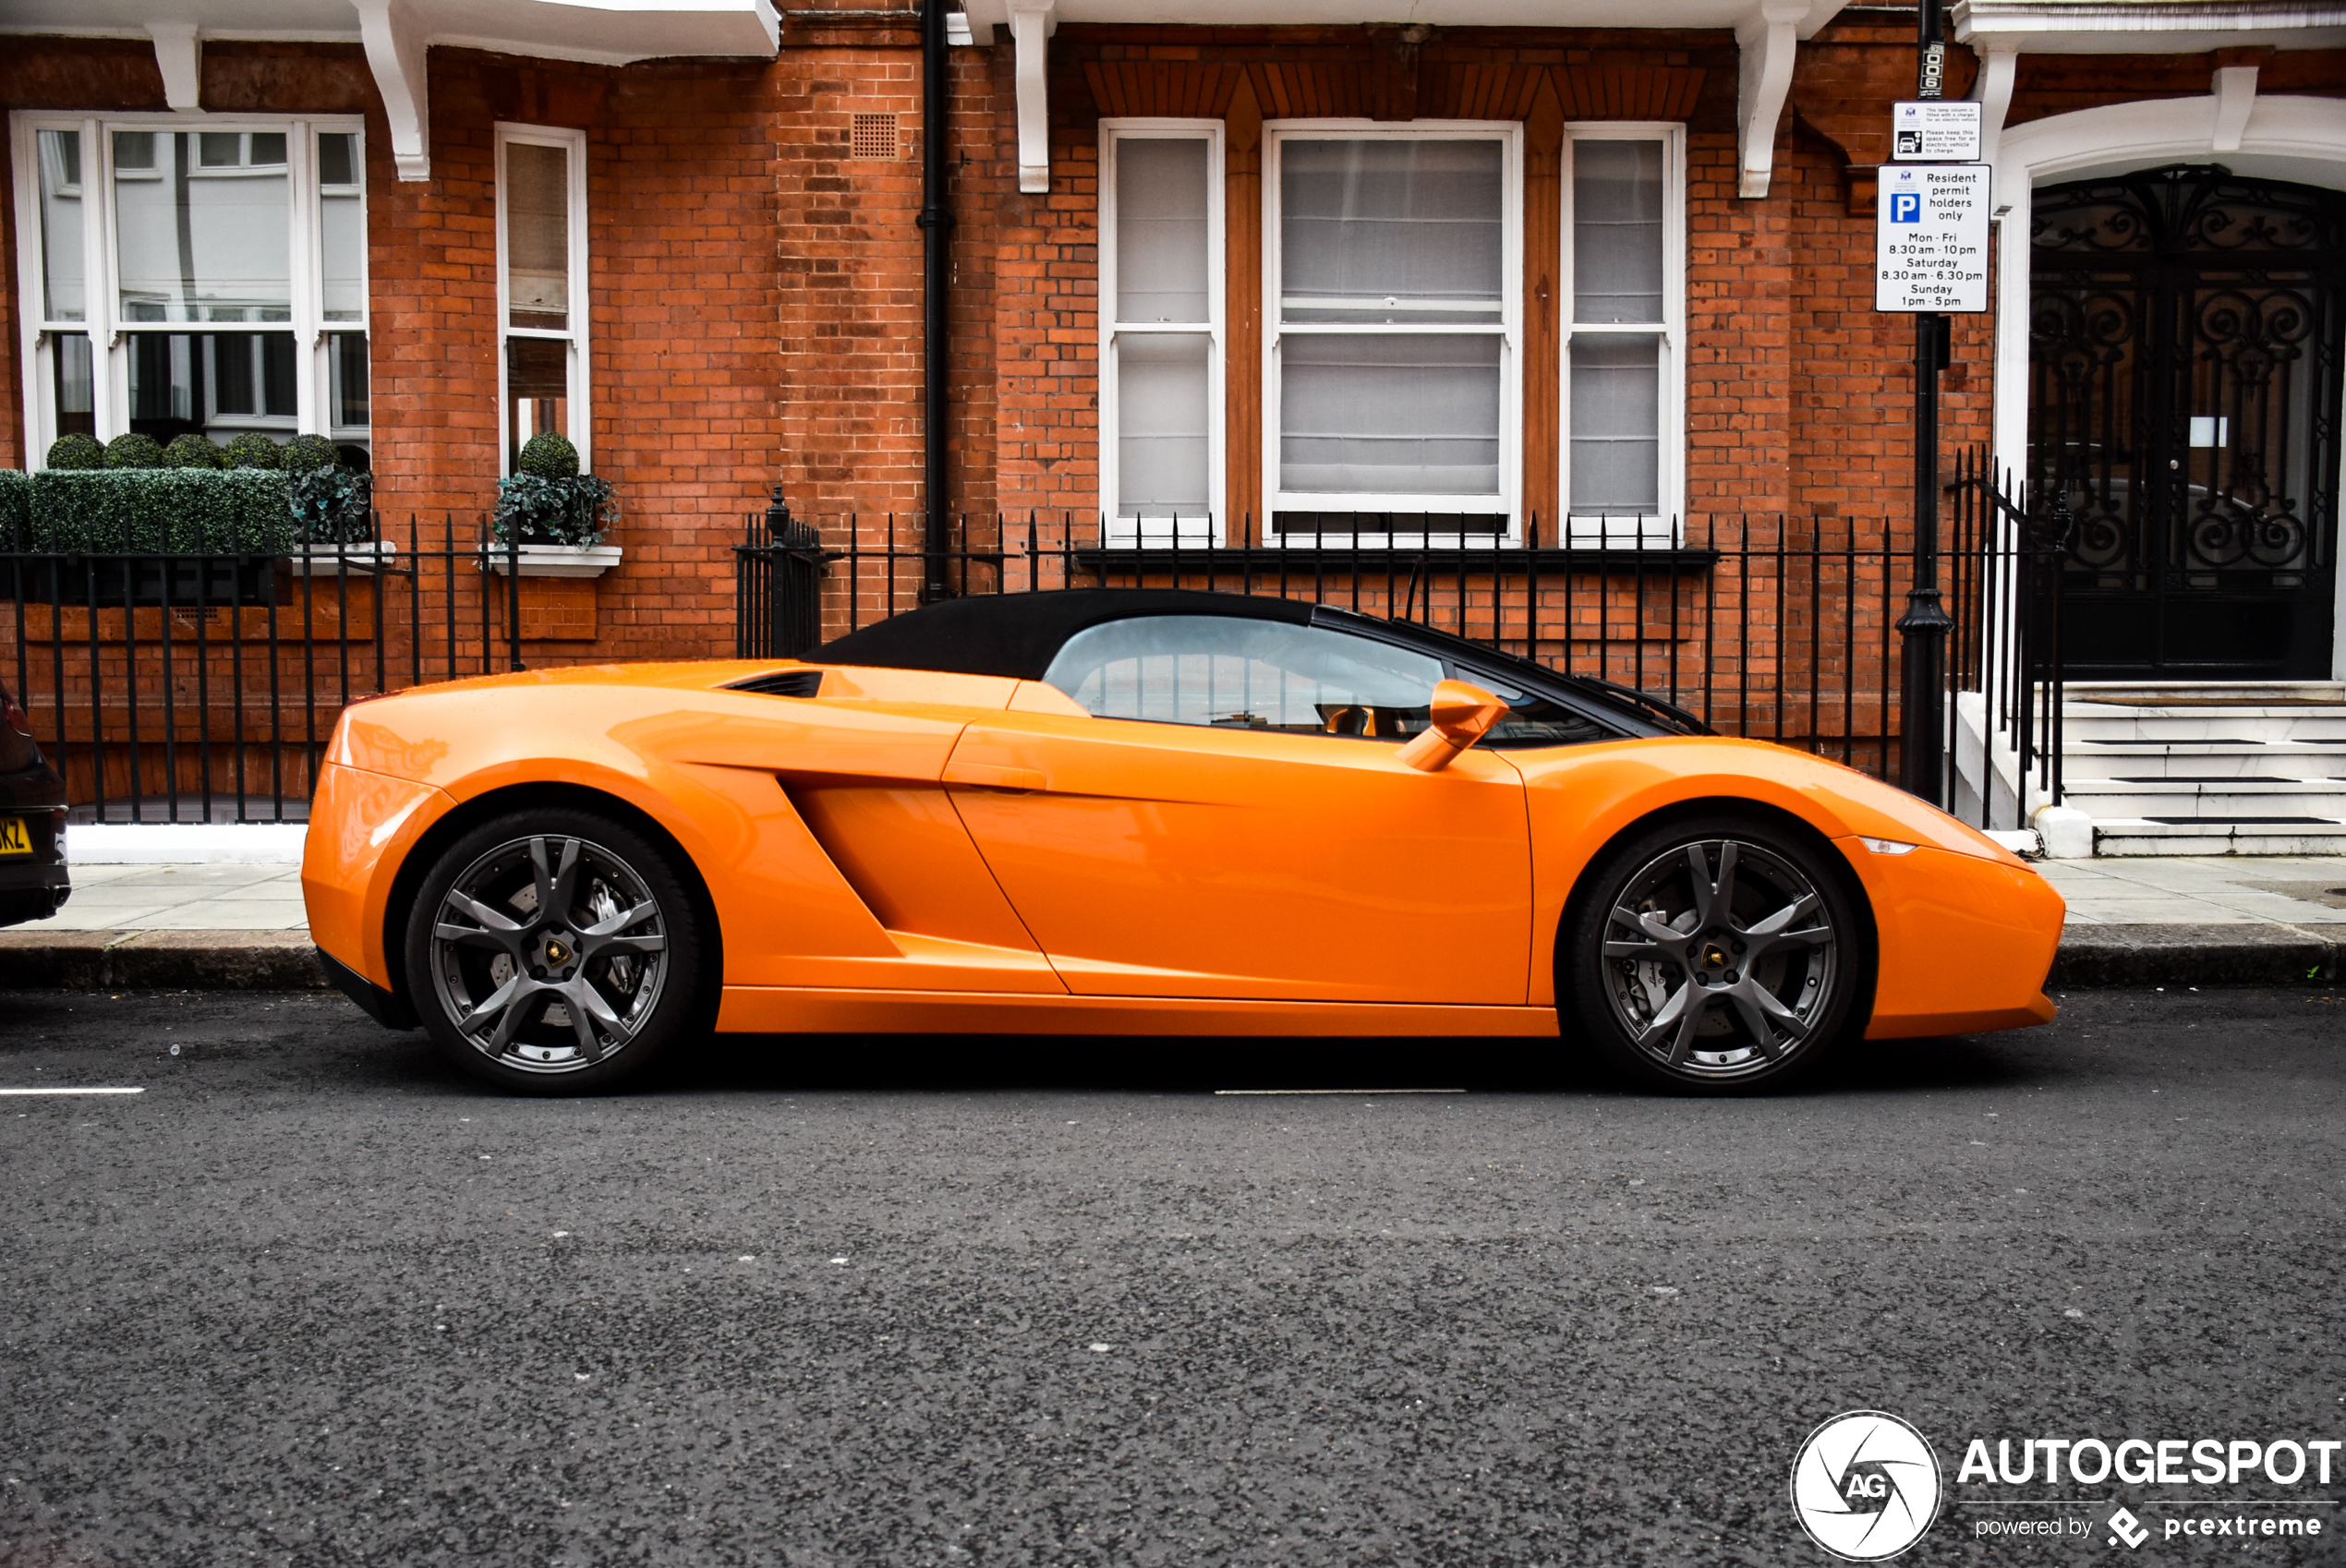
(1550, 277)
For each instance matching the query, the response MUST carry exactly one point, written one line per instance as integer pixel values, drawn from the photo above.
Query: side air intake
(783, 684)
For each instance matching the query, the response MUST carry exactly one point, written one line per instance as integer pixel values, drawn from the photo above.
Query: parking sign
(1930, 237)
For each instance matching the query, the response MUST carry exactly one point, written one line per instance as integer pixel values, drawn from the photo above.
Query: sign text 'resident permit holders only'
(1930, 237)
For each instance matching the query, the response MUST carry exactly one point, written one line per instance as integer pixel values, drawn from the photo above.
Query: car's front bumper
(1965, 943)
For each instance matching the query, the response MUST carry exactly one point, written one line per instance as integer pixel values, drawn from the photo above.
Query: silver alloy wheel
(548, 954)
(1720, 959)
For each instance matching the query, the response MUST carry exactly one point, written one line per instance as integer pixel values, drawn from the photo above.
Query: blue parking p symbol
(1905, 207)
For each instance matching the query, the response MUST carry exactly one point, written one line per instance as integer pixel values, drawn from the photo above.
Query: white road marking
(72, 1091)
(1340, 1091)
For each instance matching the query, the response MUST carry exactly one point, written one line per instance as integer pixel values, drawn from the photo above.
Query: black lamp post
(1922, 750)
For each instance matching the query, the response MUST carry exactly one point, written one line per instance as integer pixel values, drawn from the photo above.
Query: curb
(285, 961)
(160, 960)
(2195, 955)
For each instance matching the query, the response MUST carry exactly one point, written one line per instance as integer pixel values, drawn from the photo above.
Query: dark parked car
(33, 884)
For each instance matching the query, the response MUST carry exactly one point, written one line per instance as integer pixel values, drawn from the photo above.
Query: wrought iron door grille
(2186, 370)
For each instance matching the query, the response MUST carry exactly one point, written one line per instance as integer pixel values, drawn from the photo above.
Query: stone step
(2207, 796)
(2143, 835)
(2203, 693)
(2083, 760)
(2093, 723)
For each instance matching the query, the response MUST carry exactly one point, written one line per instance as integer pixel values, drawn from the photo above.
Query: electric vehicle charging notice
(1930, 237)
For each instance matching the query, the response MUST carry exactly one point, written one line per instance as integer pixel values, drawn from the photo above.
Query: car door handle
(987, 776)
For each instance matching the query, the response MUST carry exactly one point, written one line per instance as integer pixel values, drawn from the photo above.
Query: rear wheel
(557, 951)
(1718, 954)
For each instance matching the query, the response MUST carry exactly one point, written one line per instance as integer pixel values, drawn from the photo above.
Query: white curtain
(1161, 231)
(341, 219)
(1162, 455)
(1617, 231)
(1392, 230)
(538, 235)
(1616, 422)
(1389, 414)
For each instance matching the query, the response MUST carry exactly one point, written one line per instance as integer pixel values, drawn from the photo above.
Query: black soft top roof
(1018, 634)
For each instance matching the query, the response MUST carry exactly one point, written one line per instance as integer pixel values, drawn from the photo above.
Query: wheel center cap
(1713, 955)
(557, 952)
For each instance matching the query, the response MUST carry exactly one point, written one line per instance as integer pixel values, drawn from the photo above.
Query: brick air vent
(873, 140)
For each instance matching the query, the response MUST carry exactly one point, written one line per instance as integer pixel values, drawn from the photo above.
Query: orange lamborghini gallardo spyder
(1139, 812)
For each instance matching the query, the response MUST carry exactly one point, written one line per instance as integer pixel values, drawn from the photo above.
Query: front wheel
(1717, 955)
(557, 951)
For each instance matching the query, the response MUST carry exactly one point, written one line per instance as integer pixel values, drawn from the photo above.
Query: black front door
(2186, 371)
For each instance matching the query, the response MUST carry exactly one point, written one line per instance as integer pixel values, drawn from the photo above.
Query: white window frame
(1664, 527)
(1124, 531)
(581, 432)
(1508, 330)
(108, 332)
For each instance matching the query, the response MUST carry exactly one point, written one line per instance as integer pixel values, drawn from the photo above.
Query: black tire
(601, 990)
(1684, 996)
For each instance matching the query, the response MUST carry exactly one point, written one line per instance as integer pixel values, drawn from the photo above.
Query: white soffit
(610, 32)
(2148, 26)
(1675, 14)
(398, 33)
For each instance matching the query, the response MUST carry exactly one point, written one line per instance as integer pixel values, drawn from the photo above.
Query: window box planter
(332, 560)
(557, 561)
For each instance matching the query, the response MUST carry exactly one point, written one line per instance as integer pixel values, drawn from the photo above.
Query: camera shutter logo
(1865, 1486)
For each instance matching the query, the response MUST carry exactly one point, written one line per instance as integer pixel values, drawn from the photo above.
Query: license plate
(13, 839)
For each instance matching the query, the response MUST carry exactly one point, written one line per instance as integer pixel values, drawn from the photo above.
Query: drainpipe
(936, 226)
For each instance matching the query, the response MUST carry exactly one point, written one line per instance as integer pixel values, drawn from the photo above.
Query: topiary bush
(331, 505)
(305, 454)
(134, 451)
(193, 450)
(253, 450)
(76, 451)
(16, 509)
(547, 455)
(549, 501)
(533, 511)
(178, 509)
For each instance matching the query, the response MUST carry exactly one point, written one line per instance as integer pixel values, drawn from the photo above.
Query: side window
(1233, 672)
(1534, 720)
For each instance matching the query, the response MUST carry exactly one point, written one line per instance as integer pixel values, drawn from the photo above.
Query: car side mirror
(1461, 715)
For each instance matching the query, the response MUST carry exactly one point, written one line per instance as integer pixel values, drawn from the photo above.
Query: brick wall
(754, 288)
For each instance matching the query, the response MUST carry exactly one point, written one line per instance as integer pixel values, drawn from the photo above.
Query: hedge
(16, 507)
(191, 509)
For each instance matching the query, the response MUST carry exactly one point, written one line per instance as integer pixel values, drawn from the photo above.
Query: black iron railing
(1761, 627)
(202, 685)
(2004, 660)
(1771, 628)
(177, 685)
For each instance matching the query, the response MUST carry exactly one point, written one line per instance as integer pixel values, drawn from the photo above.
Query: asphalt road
(312, 1298)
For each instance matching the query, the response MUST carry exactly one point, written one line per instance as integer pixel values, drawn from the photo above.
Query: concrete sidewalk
(2188, 921)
